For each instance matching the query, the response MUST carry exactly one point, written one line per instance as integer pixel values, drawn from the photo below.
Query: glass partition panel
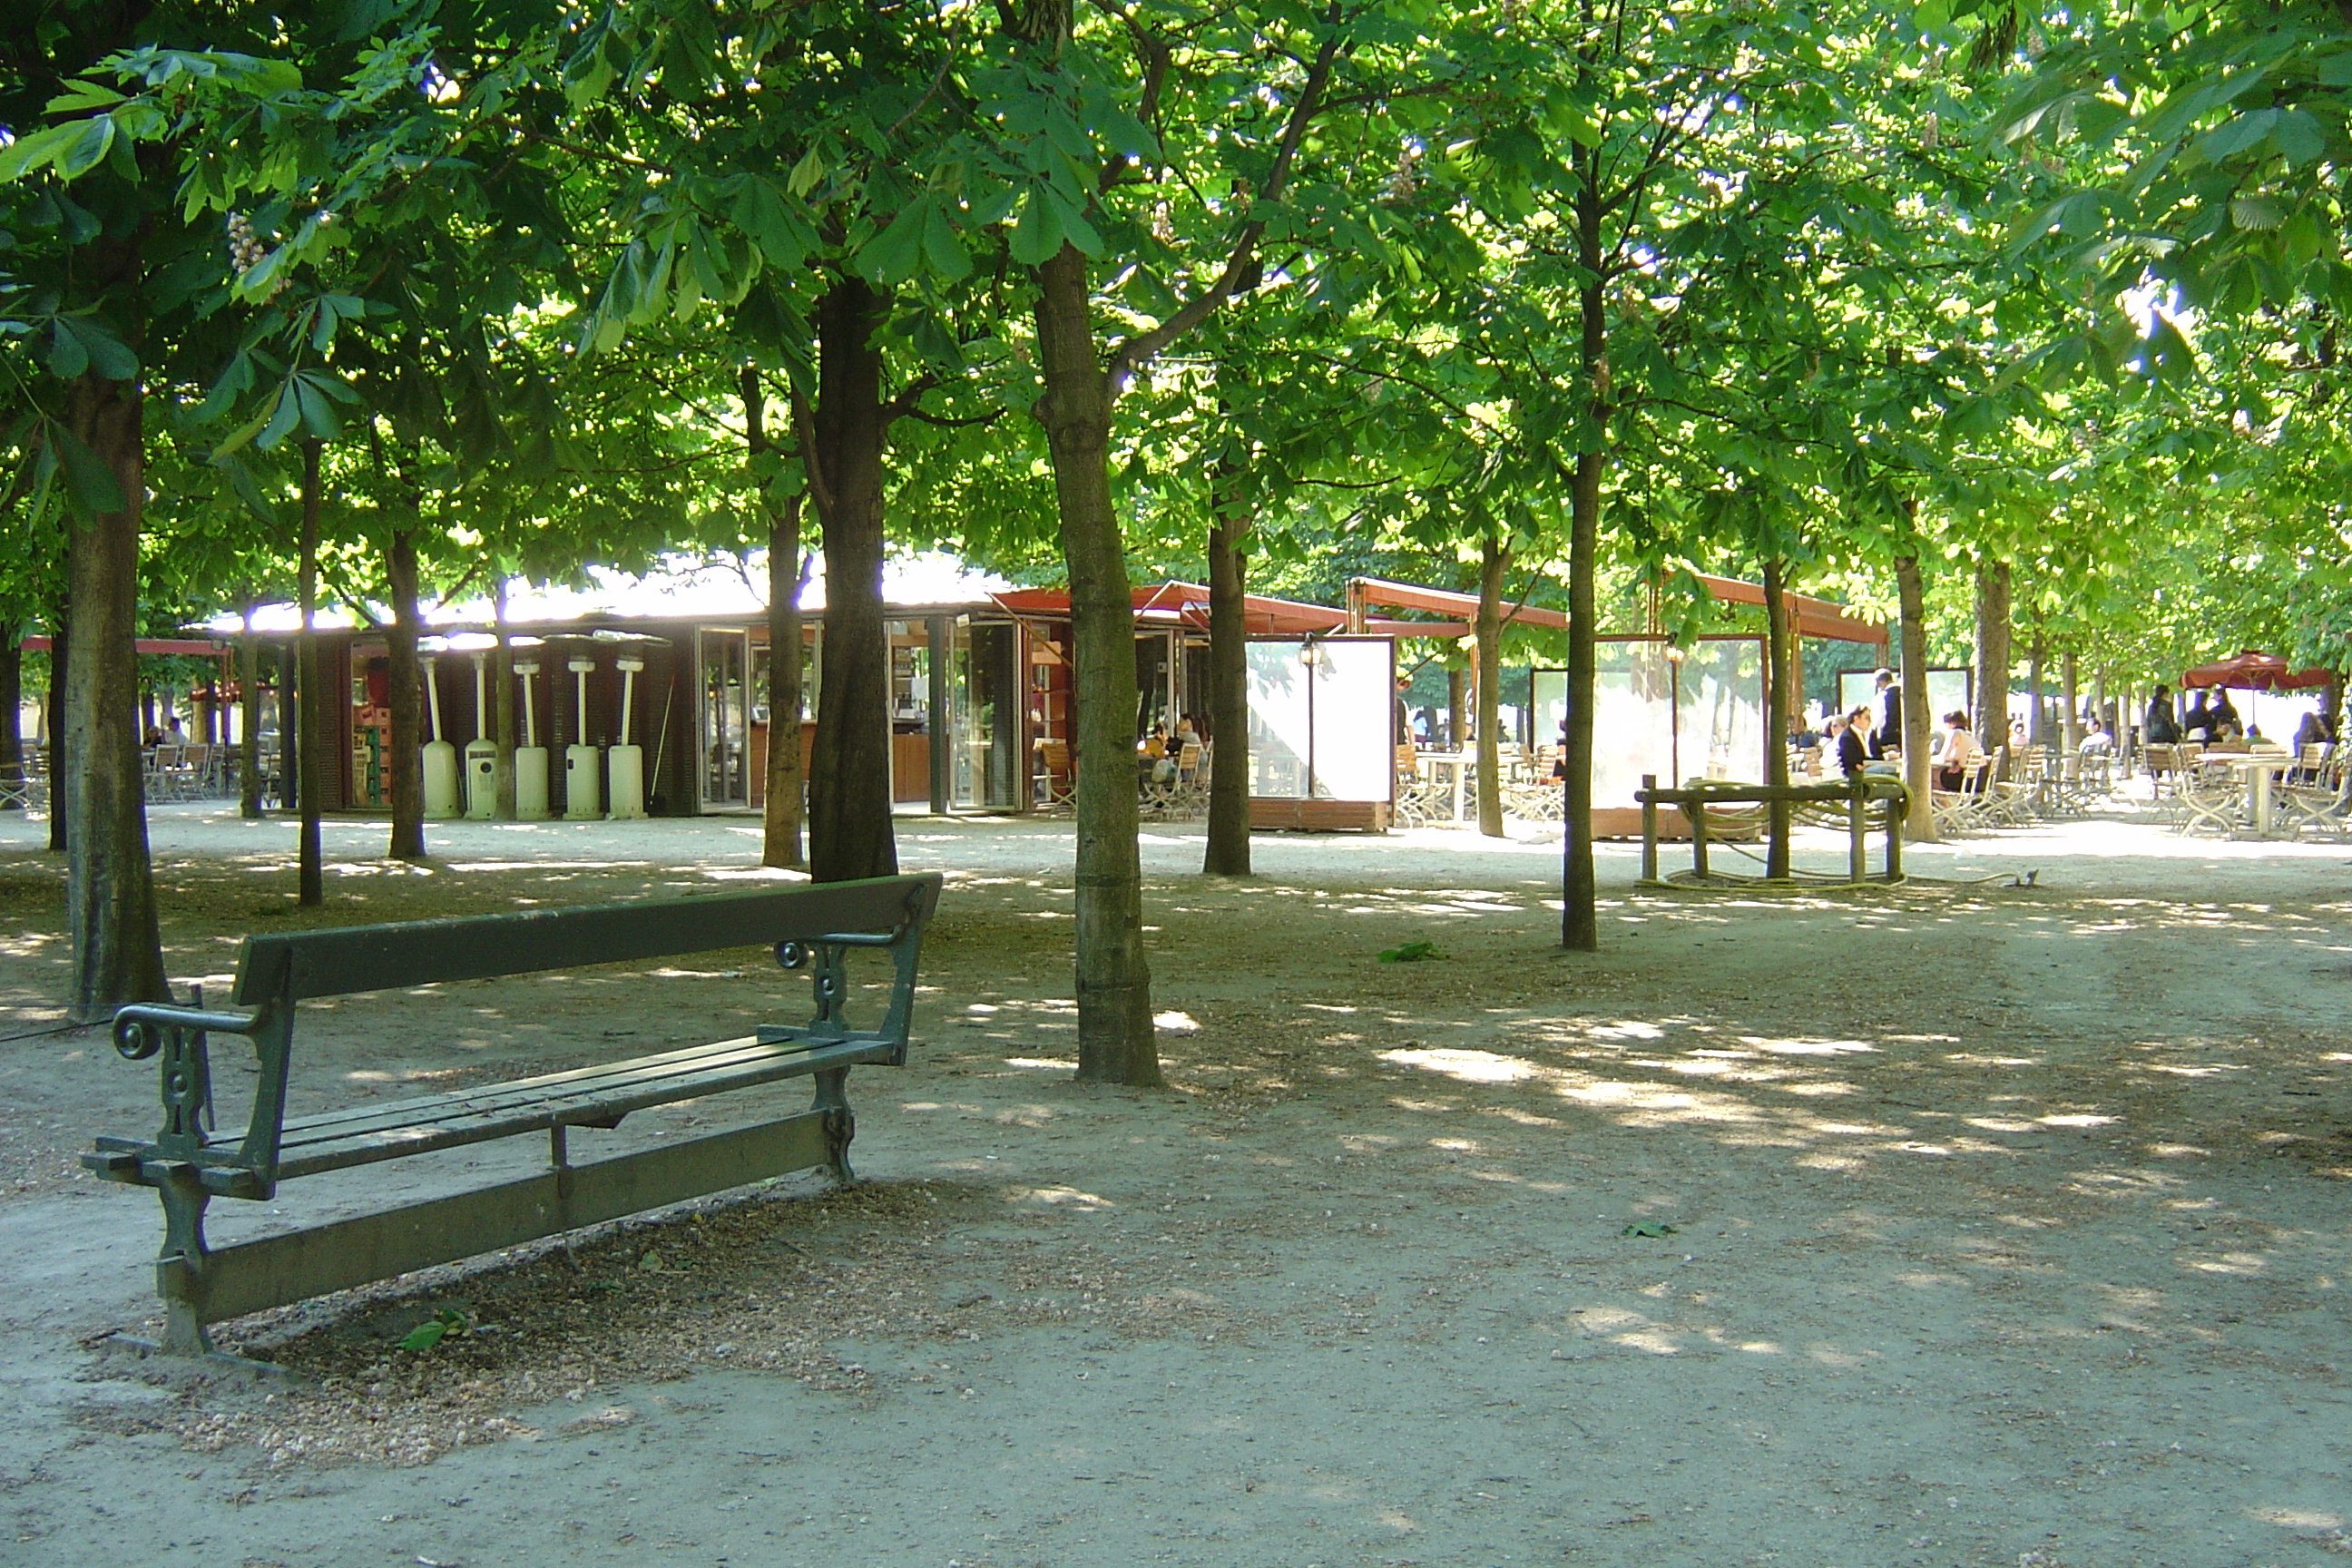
(1548, 699)
(1279, 724)
(1719, 709)
(1633, 717)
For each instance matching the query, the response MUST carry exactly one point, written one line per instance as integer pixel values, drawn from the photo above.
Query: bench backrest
(299, 965)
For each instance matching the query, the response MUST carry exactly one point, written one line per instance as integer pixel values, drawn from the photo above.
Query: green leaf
(236, 439)
(897, 253)
(68, 358)
(805, 174)
(1650, 1230)
(81, 95)
(1409, 953)
(97, 348)
(29, 152)
(943, 248)
(282, 418)
(86, 148)
(90, 485)
(426, 1335)
(2299, 138)
(1038, 235)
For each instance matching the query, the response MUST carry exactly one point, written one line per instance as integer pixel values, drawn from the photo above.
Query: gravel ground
(1958, 1223)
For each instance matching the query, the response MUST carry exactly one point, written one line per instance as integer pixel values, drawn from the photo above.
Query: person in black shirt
(2159, 728)
(1854, 751)
(2197, 724)
(2223, 716)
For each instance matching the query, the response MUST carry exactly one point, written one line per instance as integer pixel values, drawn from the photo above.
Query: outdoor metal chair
(2207, 798)
(1057, 783)
(2325, 807)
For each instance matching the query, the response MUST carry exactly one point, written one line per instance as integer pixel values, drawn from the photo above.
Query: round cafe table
(2259, 771)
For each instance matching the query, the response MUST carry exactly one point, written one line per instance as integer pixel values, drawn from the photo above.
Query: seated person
(1852, 743)
(2197, 724)
(2224, 715)
(1956, 753)
(2097, 742)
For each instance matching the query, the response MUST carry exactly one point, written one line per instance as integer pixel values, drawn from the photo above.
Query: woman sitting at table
(1956, 753)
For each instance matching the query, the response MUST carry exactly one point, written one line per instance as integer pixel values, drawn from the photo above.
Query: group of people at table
(1868, 738)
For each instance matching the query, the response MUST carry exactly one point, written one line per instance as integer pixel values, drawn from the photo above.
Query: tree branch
(1139, 350)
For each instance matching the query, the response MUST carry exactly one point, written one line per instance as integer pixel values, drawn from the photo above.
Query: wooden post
(1694, 807)
(1649, 829)
(1857, 831)
(1895, 838)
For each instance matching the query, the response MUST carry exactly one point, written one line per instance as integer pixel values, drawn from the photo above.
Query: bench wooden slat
(356, 959)
(462, 1124)
(581, 1082)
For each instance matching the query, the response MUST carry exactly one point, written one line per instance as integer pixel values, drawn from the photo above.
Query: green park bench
(189, 1164)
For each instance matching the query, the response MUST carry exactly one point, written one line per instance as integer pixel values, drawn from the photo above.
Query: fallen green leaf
(1648, 1227)
(1409, 953)
(426, 1335)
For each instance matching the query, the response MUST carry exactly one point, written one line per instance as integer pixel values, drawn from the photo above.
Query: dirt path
(1946, 1225)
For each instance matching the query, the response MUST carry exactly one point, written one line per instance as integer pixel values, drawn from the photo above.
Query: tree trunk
(407, 682)
(1580, 915)
(1457, 699)
(2070, 681)
(1778, 818)
(1911, 605)
(780, 844)
(12, 717)
(58, 635)
(1992, 652)
(1114, 980)
(850, 831)
(2034, 663)
(249, 722)
(1228, 853)
(1494, 561)
(309, 702)
(502, 706)
(111, 922)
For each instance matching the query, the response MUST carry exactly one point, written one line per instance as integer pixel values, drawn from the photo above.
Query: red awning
(1185, 603)
(193, 647)
(2252, 672)
(1811, 617)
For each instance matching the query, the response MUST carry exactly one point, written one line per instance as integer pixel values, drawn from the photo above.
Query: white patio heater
(628, 762)
(582, 799)
(482, 752)
(440, 758)
(531, 758)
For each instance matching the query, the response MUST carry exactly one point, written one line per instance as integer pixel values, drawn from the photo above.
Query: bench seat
(586, 1097)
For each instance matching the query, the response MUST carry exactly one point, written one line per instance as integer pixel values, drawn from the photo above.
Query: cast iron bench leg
(180, 1270)
(840, 1121)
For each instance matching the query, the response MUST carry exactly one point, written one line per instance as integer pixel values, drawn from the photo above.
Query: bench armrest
(178, 1034)
(829, 976)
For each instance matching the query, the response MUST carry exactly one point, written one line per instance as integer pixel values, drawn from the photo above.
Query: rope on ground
(37, 1034)
(1803, 879)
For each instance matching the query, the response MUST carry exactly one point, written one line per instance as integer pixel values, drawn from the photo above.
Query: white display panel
(1321, 715)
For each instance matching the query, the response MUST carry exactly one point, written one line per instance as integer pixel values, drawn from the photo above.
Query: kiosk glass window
(725, 659)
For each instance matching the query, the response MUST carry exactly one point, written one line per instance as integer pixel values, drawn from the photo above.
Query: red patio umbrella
(2252, 672)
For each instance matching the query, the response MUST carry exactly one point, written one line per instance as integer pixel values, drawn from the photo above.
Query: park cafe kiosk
(621, 716)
